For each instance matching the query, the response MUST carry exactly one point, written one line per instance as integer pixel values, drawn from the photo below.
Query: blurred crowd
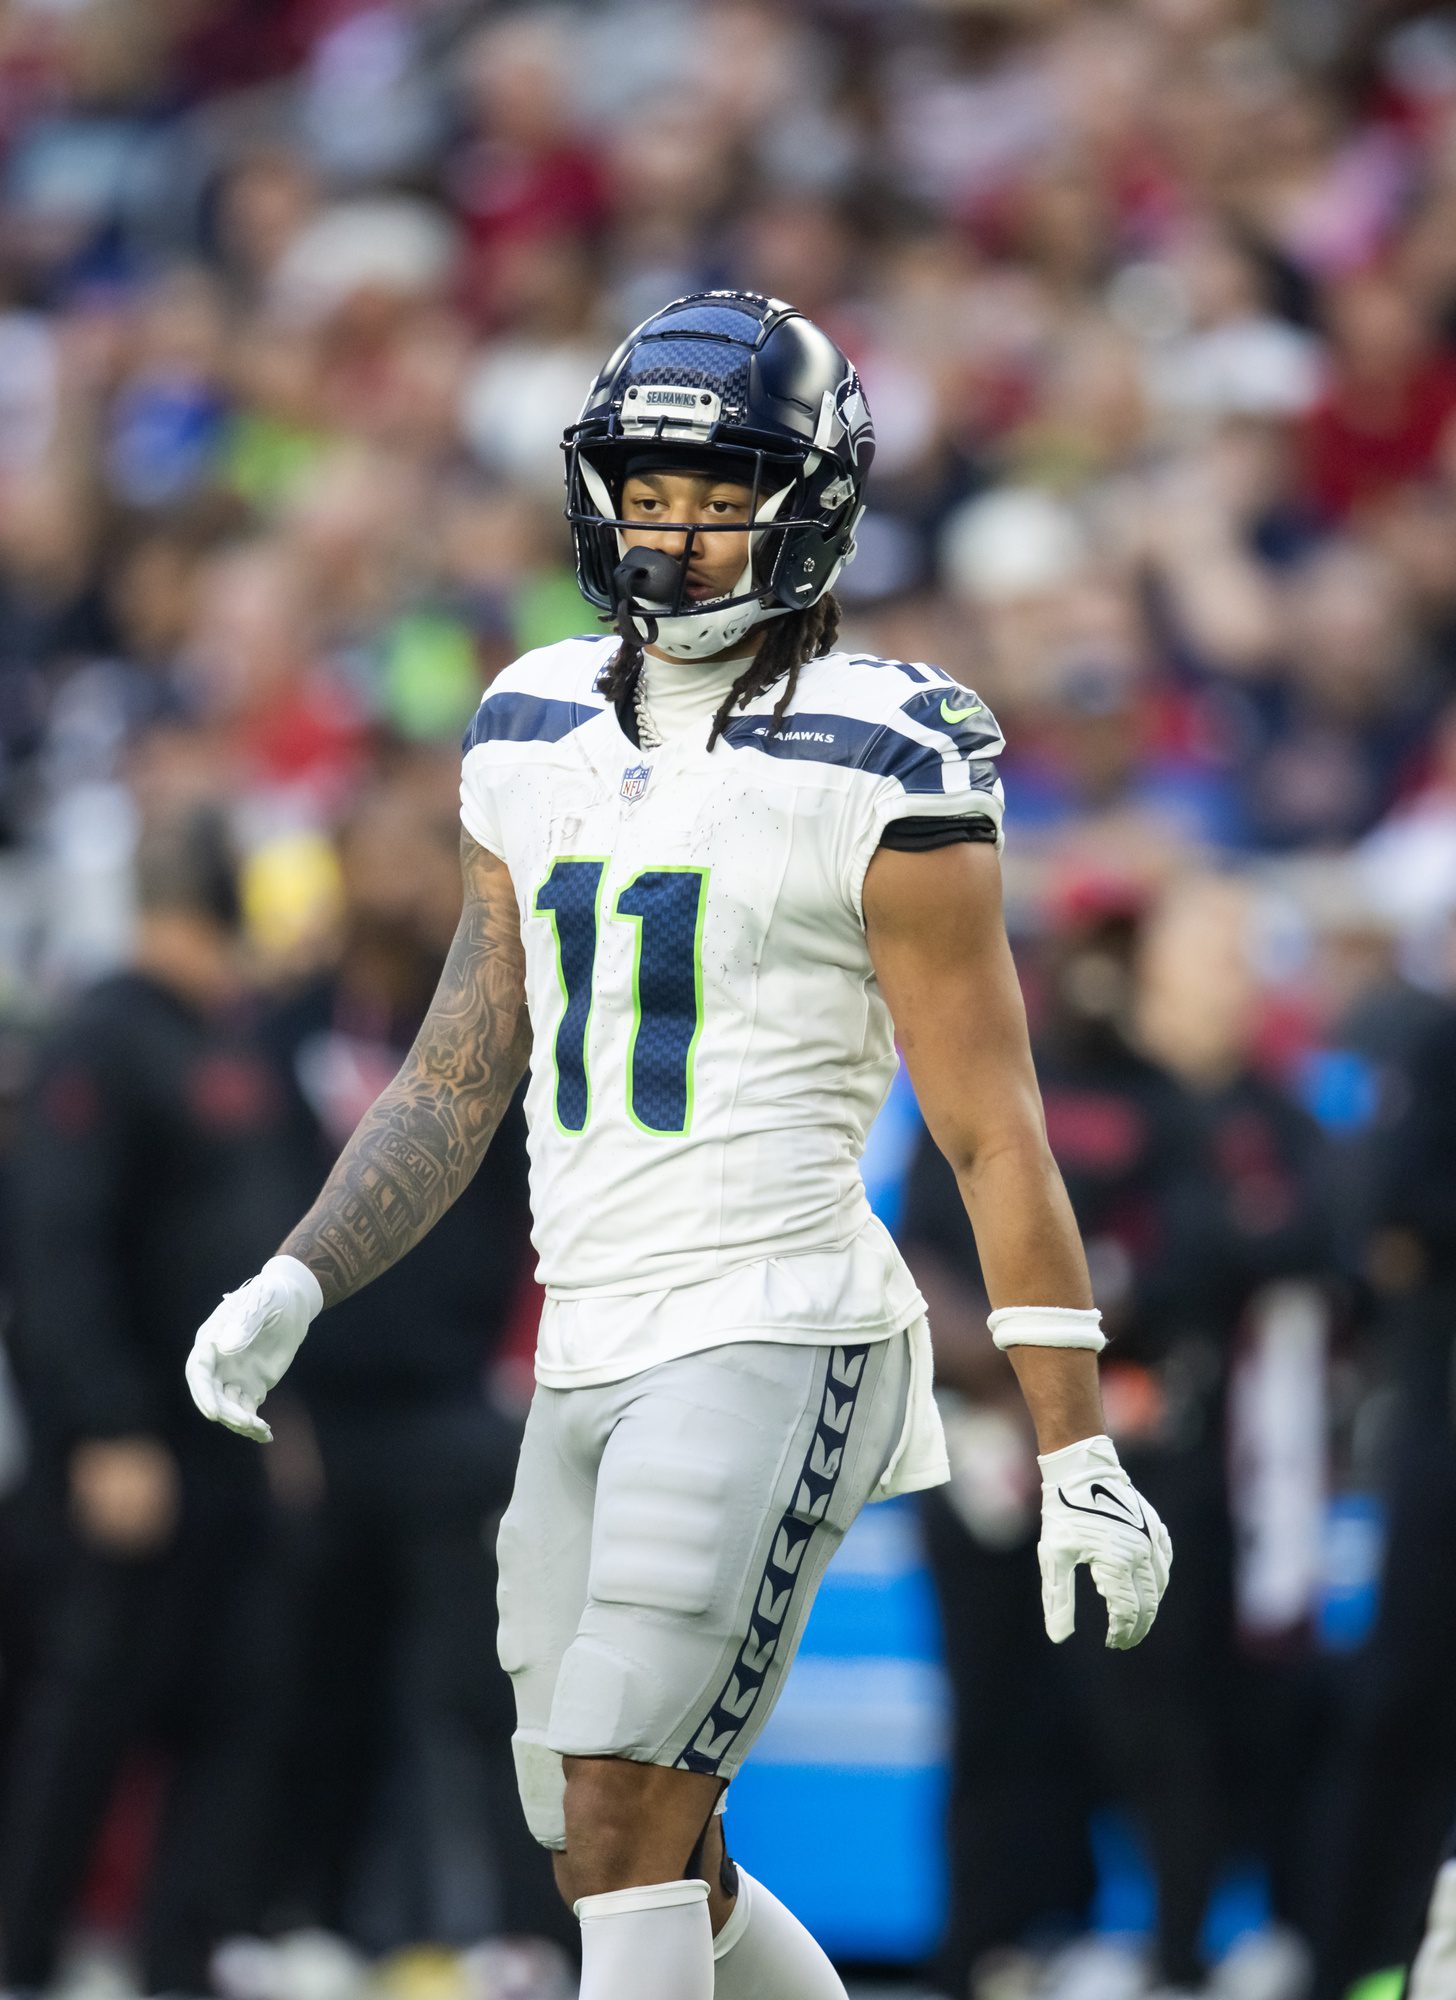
(1155, 306)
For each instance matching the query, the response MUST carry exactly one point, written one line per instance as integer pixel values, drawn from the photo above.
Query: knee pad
(541, 1782)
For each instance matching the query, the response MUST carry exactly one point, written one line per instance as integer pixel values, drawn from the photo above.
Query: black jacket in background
(150, 1175)
(428, 1327)
(1420, 1189)
(1272, 1211)
(1129, 1142)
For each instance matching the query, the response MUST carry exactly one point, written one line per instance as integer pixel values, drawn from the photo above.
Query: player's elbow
(976, 1148)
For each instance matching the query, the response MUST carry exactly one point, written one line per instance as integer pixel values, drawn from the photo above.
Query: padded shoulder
(544, 695)
(891, 719)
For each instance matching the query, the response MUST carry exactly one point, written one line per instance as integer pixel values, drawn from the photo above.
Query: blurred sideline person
(1262, 1299)
(401, 1746)
(1393, 1772)
(151, 1165)
(712, 857)
(1127, 1139)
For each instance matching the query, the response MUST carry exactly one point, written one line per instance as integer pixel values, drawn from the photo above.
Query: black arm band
(924, 831)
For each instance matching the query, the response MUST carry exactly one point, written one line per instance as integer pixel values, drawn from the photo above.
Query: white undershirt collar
(680, 697)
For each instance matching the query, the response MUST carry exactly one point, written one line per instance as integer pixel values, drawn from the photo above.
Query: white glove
(1091, 1513)
(243, 1348)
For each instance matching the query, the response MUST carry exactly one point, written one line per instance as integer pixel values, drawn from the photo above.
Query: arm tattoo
(420, 1144)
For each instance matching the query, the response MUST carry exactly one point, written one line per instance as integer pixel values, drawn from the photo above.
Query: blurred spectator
(1198, 1014)
(1394, 1769)
(1390, 399)
(1141, 1728)
(152, 1166)
(971, 108)
(263, 204)
(52, 612)
(397, 1817)
(1218, 350)
(285, 724)
(1263, 1309)
(1336, 731)
(526, 172)
(1098, 755)
(167, 421)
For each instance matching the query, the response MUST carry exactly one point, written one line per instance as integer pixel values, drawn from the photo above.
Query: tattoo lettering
(420, 1144)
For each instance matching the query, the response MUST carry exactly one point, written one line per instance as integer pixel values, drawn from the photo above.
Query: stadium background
(1155, 306)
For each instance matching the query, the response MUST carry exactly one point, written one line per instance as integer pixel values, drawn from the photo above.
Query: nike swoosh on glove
(243, 1348)
(1091, 1513)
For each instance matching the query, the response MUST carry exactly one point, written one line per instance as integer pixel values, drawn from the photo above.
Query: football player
(713, 866)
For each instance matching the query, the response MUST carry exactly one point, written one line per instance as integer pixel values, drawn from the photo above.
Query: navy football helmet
(730, 379)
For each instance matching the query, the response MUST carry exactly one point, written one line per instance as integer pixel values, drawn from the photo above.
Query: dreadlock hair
(788, 643)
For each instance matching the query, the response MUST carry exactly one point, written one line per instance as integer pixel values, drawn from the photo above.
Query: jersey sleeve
(535, 702)
(932, 766)
(478, 813)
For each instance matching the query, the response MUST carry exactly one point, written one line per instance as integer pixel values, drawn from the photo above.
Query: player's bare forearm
(1061, 1391)
(1031, 1255)
(938, 943)
(1026, 1236)
(417, 1148)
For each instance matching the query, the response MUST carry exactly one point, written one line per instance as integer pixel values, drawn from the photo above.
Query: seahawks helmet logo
(853, 413)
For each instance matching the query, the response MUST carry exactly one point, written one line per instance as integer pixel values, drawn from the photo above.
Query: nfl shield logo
(634, 780)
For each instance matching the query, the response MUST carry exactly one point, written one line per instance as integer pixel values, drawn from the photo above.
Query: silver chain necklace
(647, 735)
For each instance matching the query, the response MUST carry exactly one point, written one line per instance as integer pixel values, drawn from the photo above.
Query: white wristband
(1048, 1326)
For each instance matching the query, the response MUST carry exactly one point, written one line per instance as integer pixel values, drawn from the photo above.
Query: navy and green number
(570, 898)
(666, 906)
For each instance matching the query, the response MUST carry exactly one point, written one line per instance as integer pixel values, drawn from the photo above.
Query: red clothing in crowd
(1359, 444)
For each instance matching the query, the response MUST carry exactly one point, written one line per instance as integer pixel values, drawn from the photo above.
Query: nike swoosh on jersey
(949, 714)
(1124, 1518)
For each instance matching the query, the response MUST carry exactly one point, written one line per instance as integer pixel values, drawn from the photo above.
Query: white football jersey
(710, 1043)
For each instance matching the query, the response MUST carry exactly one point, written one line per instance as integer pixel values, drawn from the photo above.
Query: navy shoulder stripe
(846, 740)
(526, 718)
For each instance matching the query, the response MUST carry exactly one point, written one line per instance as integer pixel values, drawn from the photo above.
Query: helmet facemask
(651, 600)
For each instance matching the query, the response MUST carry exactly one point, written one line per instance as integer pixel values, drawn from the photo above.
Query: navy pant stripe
(720, 1728)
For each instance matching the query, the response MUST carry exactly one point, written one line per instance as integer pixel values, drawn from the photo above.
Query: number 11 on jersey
(667, 906)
